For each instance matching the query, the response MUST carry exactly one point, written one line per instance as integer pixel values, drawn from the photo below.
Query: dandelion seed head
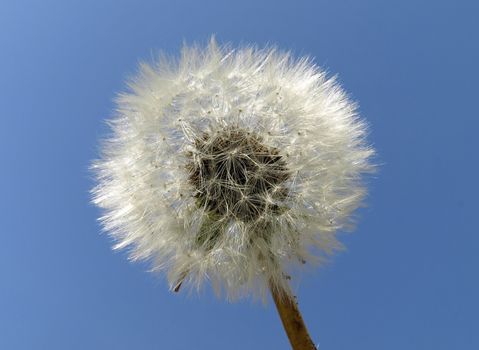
(230, 166)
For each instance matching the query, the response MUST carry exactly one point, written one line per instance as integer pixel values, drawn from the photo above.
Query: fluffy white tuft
(231, 165)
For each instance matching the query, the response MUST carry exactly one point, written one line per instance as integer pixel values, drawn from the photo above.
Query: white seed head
(231, 165)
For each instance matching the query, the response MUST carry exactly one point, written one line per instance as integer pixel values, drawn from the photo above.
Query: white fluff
(144, 176)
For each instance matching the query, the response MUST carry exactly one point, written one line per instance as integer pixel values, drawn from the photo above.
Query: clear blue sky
(409, 278)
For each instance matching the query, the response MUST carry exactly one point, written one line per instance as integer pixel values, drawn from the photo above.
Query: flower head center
(235, 174)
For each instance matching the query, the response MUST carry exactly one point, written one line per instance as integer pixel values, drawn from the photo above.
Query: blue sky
(409, 276)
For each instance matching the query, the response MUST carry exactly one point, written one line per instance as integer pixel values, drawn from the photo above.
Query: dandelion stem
(292, 320)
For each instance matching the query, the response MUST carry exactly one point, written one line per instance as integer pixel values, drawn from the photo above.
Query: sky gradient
(409, 276)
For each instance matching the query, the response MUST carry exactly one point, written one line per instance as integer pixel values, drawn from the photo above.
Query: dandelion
(232, 166)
